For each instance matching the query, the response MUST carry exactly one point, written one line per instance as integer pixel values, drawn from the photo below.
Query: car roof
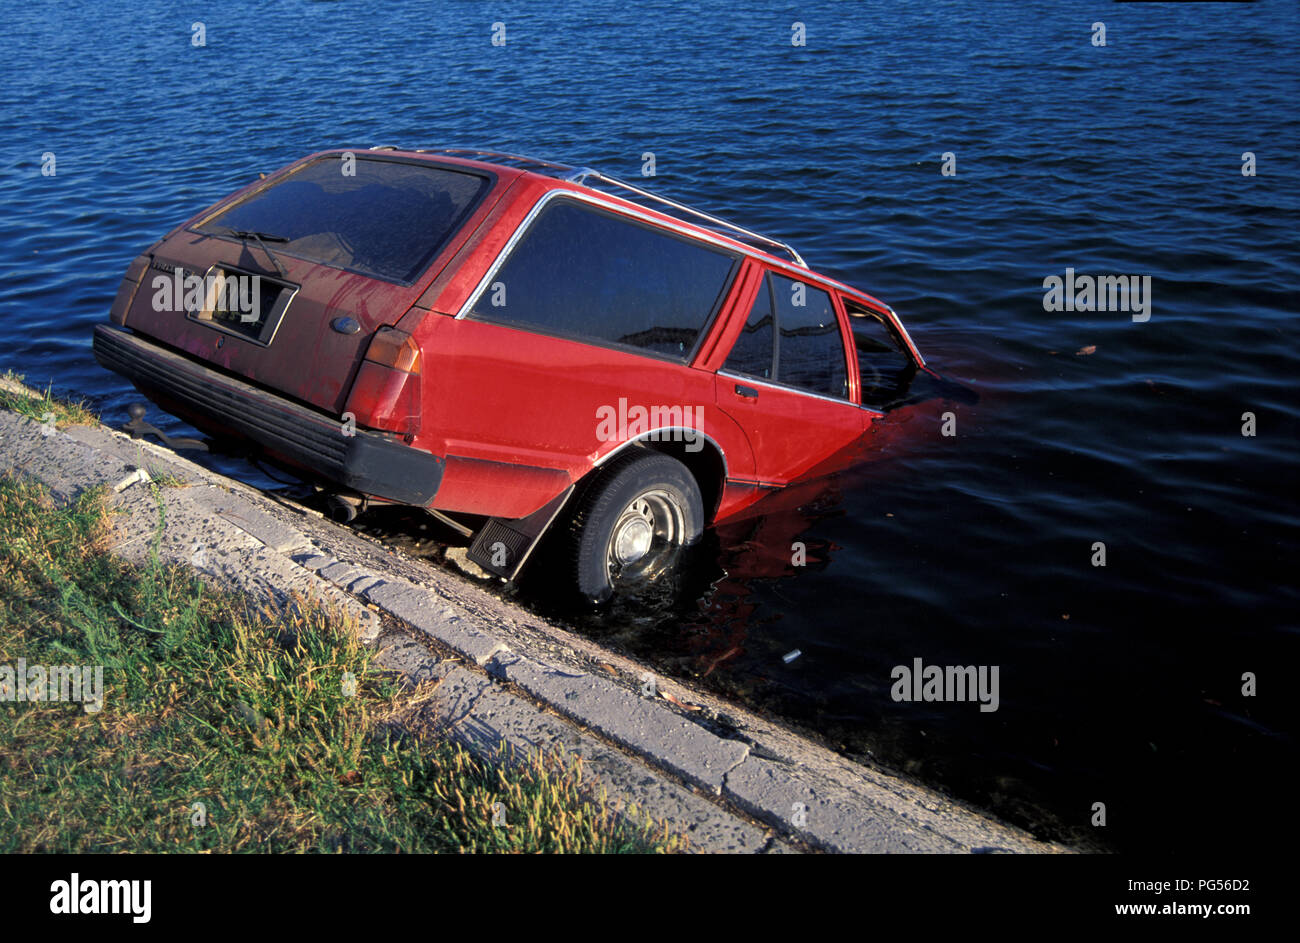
(509, 168)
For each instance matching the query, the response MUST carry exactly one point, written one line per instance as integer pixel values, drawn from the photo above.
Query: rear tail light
(127, 288)
(393, 348)
(386, 392)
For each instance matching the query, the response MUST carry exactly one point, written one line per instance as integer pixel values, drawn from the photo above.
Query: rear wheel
(631, 522)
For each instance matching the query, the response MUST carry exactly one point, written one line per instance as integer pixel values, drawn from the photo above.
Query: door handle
(746, 391)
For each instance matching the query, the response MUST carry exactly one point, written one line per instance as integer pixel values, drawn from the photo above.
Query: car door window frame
(764, 287)
(837, 305)
(893, 327)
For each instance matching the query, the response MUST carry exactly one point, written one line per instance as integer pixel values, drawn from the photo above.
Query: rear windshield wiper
(261, 238)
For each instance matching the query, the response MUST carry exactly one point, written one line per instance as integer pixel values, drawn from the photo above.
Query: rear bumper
(369, 462)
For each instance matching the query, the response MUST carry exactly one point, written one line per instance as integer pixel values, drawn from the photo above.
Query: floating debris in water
(734, 650)
(679, 702)
(791, 656)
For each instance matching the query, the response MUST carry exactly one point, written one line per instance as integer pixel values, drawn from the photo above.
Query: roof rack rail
(582, 176)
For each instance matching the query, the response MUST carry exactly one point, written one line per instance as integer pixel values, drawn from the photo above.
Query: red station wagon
(525, 349)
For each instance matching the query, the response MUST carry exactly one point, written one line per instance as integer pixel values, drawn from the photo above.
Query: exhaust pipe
(345, 507)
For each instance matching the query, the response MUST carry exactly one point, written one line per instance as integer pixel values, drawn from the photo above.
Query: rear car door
(787, 380)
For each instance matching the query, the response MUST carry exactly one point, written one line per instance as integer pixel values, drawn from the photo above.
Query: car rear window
(384, 218)
(588, 274)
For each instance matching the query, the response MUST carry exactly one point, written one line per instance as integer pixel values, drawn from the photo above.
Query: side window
(809, 349)
(589, 274)
(753, 351)
(884, 365)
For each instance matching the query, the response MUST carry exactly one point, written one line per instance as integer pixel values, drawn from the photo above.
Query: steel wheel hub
(633, 533)
(650, 517)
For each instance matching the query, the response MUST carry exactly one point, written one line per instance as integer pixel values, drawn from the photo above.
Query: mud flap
(502, 547)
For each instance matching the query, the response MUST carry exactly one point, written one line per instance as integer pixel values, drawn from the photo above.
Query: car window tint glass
(885, 368)
(583, 273)
(810, 352)
(751, 355)
(387, 219)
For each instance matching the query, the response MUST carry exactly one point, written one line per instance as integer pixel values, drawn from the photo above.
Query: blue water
(974, 549)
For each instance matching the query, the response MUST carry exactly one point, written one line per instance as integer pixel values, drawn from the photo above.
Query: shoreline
(732, 781)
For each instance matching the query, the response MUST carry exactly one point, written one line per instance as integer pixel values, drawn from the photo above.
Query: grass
(165, 479)
(228, 726)
(43, 406)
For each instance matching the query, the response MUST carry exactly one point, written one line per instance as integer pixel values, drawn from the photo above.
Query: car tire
(629, 523)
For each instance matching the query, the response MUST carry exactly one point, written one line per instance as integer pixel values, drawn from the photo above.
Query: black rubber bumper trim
(369, 462)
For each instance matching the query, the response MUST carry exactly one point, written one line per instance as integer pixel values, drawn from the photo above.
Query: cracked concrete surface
(732, 781)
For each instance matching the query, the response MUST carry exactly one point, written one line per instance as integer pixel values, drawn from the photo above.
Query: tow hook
(138, 428)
